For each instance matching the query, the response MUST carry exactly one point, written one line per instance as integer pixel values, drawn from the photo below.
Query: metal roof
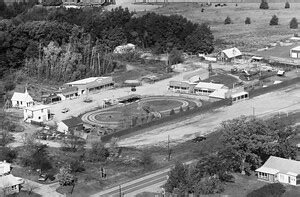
(72, 122)
(232, 52)
(87, 80)
(17, 96)
(213, 86)
(296, 48)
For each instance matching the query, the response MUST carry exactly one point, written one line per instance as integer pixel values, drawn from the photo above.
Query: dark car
(199, 139)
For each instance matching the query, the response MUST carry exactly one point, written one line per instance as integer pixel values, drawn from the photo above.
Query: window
(21, 102)
(246, 96)
(42, 110)
(39, 117)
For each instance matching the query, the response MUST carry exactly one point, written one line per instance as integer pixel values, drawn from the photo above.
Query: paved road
(136, 186)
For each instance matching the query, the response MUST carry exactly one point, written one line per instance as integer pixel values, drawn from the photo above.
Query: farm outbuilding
(228, 55)
(71, 124)
(295, 52)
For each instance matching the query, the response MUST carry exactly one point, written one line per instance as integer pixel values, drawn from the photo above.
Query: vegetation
(270, 190)
(98, 152)
(175, 57)
(294, 23)
(172, 112)
(227, 21)
(274, 20)
(287, 5)
(248, 21)
(264, 5)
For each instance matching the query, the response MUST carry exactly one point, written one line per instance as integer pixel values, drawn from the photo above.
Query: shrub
(264, 5)
(172, 112)
(175, 57)
(98, 152)
(274, 20)
(287, 5)
(9, 85)
(294, 23)
(227, 20)
(187, 108)
(248, 21)
(180, 109)
(275, 189)
(147, 160)
(7, 154)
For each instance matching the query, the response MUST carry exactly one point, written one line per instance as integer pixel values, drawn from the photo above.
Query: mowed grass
(247, 37)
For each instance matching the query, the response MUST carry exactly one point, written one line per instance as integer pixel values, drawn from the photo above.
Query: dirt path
(131, 6)
(285, 100)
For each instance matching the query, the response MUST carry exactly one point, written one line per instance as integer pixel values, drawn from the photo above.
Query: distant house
(181, 86)
(295, 52)
(22, 99)
(5, 168)
(71, 124)
(124, 48)
(277, 169)
(37, 113)
(204, 88)
(90, 84)
(228, 55)
(68, 93)
(10, 184)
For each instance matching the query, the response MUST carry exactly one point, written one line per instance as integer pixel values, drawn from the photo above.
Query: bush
(270, 190)
(76, 166)
(98, 152)
(264, 5)
(248, 21)
(172, 112)
(274, 20)
(175, 57)
(187, 108)
(9, 85)
(180, 109)
(294, 23)
(287, 5)
(7, 154)
(147, 160)
(227, 20)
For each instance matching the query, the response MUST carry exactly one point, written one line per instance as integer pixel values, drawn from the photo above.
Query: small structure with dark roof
(71, 124)
(68, 93)
(228, 55)
(181, 86)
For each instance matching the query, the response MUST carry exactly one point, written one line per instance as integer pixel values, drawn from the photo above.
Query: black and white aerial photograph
(149, 98)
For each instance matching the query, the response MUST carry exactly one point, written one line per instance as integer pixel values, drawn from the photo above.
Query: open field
(248, 37)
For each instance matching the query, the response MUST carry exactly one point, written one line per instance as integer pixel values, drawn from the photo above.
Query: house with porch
(68, 93)
(37, 113)
(10, 184)
(277, 169)
(228, 55)
(21, 100)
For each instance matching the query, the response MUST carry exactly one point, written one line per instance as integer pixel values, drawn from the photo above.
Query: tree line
(67, 44)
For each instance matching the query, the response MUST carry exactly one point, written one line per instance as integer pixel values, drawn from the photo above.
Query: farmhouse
(295, 52)
(91, 84)
(181, 86)
(124, 48)
(10, 184)
(203, 88)
(277, 169)
(5, 168)
(68, 93)
(228, 55)
(70, 124)
(22, 99)
(37, 113)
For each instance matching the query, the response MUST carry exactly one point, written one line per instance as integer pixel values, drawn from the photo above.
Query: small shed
(295, 52)
(228, 55)
(71, 124)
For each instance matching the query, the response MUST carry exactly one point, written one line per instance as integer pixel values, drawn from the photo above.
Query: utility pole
(253, 111)
(169, 150)
(120, 190)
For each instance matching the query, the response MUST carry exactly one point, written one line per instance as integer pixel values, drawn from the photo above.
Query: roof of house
(296, 48)
(180, 84)
(87, 80)
(4, 167)
(205, 85)
(72, 122)
(69, 90)
(278, 164)
(232, 52)
(10, 180)
(37, 107)
(219, 93)
(239, 94)
(17, 96)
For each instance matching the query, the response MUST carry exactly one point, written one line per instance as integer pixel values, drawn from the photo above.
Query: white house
(295, 52)
(229, 54)
(37, 113)
(68, 93)
(22, 99)
(71, 124)
(5, 168)
(204, 88)
(124, 48)
(277, 169)
(10, 184)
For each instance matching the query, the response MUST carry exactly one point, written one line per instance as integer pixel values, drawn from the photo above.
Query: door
(289, 180)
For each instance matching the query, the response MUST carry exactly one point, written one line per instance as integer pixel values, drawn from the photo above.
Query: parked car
(199, 138)
(43, 178)
(65, 110)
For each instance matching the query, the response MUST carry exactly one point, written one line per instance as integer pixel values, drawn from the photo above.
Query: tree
(209, 185)
(201, 40)
(65, 177)
(274, 20)
(294, 23)
(146, 160)
(175, 57)
(248, 21)
(180, 109)
(264, 5)
(227, 20)
(72, 143)
(5, 137)
(209, 68)
(98, 152)
(172, 112)
(287, 5)
(7, 154)
(178, 178)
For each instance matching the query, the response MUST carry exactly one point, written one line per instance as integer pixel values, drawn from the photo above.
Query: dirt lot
(248, 37)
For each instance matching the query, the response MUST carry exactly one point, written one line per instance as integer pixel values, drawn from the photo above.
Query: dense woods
(68, 44)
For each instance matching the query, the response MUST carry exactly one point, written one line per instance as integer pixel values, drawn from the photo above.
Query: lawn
(278, 51)
(247, 37)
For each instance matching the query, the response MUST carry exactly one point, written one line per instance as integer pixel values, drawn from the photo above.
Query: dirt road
(131, 6)
(285, 100)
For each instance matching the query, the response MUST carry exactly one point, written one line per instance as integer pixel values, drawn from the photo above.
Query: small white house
(22, 99)
(228, 55)
(5, 168)
(37, 113)
(10, 184)
(295, 52)
(71, 124)
(277, 169)
(124, 48)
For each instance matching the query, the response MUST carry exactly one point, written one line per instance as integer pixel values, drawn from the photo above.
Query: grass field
(248, 37)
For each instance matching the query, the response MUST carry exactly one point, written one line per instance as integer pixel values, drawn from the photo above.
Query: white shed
(295, 52)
